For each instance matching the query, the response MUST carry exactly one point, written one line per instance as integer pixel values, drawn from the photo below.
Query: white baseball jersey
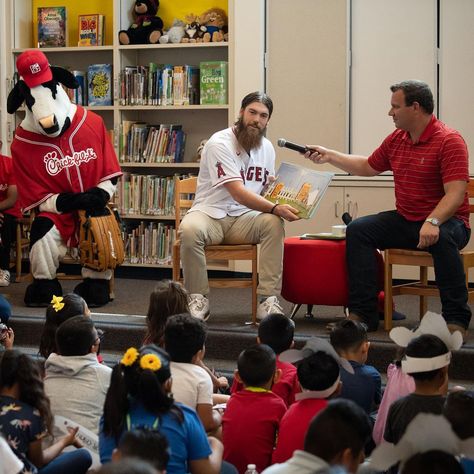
(223, 161)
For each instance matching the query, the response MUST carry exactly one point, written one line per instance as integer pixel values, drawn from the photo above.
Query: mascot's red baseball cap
(33, 67)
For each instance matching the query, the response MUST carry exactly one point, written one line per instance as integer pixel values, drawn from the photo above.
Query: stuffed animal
(64, 161)
(147, 27)
(193, 30)
(215, 21)
(175, 34)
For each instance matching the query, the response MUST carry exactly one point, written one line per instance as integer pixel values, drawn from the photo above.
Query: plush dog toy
(215, 21)
(63, 161)
(147, 27)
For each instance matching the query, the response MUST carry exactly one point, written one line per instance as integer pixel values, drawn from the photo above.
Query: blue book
(99, 84)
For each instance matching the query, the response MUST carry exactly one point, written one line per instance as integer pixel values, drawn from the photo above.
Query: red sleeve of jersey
(454, 159)
(379, 159)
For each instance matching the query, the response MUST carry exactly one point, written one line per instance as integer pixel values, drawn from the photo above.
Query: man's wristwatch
(433, 221)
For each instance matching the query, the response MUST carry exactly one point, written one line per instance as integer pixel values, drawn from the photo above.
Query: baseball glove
(101, 243)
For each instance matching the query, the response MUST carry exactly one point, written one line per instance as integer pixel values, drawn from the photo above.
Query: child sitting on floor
(168, 298)
(277, 331)
(252, 417)
(319, 377)
(364, 386)
(185, 337)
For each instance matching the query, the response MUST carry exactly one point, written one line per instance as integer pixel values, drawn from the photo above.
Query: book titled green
(213, 83)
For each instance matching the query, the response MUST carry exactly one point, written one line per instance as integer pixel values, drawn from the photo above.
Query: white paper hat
(313, 345)
(426, 432)
(431, 323)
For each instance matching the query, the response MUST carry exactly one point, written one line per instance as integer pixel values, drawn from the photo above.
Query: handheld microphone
(292, 146)
(346, 218)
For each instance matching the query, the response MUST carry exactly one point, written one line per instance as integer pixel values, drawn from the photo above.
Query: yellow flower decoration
(151, 362)
(129, 357)
(57, 303)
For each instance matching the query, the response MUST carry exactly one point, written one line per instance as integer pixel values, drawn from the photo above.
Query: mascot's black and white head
(48, 108)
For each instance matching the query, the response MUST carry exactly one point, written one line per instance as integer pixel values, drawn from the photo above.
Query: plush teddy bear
(215, 21)
(175, 34)
(193, 30)
(147, 27)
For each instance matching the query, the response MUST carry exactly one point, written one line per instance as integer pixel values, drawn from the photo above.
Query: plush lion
(215, 21)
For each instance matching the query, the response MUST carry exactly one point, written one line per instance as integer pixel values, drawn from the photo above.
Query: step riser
(225, 345)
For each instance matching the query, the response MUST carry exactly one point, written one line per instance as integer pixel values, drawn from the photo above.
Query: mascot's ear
(16, 96)
(64, 77)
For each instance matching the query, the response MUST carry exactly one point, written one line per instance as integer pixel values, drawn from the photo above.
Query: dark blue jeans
(72, 462)
(390, 230)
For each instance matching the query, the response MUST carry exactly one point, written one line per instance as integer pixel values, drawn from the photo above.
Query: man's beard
(249, 137)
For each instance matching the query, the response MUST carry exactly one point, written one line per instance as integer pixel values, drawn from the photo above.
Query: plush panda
(63, 161)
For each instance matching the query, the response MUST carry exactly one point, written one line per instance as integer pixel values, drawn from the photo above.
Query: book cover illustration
(51, 27)
(213, 82)
(99, 82)
(301, 188)
(90, 30)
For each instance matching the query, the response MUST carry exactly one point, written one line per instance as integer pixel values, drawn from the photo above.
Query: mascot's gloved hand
(93, 201)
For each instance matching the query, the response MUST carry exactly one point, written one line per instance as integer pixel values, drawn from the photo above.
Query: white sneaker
(269, 306)
(4, 277)
(199, 306)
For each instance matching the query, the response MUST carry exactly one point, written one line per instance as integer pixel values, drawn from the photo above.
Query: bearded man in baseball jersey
(236, 163)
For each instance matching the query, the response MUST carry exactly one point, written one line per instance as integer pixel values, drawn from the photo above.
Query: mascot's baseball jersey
(223, 161)
(7, 179)
(76, 161)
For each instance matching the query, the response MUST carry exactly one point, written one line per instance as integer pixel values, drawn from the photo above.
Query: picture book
(99, 84)
(213, 82)
(51, 27)
(301, 188)
(91, 30)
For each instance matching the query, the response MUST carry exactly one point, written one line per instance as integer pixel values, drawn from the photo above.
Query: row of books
(52, 30)
(140, 142)
(165, 84)
(149, 243)
(95, 86)
(145, 194)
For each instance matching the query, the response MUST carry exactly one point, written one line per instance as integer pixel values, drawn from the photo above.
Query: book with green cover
(301, 188)
(213, 83)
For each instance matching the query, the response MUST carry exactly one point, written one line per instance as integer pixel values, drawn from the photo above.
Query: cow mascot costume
(63, 162)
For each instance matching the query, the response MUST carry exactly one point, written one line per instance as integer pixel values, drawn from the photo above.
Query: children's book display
(301, 188)
(213, 83)
(91, 30)
(99, 80)
(51, 27)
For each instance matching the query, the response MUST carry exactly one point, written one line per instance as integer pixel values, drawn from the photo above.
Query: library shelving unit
(198, 121)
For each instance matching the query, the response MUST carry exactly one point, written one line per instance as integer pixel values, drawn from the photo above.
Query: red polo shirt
(421, 169)
(7, 179)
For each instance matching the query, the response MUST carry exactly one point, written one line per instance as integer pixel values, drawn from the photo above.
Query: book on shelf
(213, 82)
(90, 30)
(301, 188)
(52, 32)
(99, 84)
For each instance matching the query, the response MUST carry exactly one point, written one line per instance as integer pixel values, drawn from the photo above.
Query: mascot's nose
(49, 124)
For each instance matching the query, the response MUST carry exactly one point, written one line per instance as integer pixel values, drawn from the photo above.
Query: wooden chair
(22, 243)
(423, 260)
(185, 189)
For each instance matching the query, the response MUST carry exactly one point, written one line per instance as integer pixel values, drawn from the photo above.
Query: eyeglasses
(100, 337)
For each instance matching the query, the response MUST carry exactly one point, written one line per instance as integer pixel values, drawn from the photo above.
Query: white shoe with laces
(199, 306)
(4, 277)
(268, 306)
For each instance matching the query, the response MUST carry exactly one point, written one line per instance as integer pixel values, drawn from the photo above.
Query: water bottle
(251, 469)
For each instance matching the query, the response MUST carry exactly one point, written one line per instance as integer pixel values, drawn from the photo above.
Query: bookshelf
(197, 121)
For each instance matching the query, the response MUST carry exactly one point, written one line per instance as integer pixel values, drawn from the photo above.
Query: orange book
(91, 30)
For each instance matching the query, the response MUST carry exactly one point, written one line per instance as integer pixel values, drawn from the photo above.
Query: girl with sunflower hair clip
(139, 395)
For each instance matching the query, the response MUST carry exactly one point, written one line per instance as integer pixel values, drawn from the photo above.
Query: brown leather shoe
(455, 327)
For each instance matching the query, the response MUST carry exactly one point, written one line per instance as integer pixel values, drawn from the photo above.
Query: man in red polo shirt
(430, 170)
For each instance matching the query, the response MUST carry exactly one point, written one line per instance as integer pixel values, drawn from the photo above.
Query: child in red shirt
(277, 331)
(252, 416)
(320, 380)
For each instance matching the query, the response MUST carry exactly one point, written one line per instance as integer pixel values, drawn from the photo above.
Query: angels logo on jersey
(220, 170)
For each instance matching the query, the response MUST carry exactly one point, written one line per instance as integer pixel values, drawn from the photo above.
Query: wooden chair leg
(294, 310)
(176, 263)
(19, 252)
(423, 299)
(254, 288)
(388, 294)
